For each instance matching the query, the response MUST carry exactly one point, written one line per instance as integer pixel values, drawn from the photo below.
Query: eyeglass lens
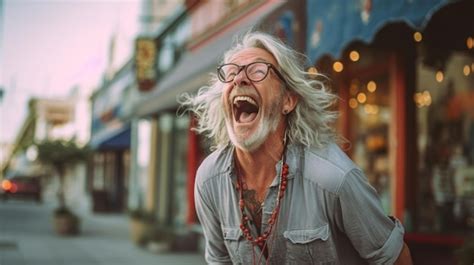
(256, 71)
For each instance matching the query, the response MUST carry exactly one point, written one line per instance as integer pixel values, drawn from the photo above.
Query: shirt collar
(293, 154)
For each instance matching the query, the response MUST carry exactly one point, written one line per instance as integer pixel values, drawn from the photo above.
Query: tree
(59, 154)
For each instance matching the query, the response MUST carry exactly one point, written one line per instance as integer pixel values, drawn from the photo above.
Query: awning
(112, 138)
(193, 71)
(333, 24)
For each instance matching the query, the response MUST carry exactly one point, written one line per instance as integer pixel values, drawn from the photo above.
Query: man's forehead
(251, 55)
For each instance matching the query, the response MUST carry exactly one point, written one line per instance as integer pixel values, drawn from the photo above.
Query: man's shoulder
(328, 166)
(217, 163)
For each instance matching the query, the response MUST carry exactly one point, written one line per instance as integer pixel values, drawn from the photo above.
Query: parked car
(22, 187)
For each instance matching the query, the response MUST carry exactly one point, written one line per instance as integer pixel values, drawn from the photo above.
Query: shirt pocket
(231, 240)
(310, 246)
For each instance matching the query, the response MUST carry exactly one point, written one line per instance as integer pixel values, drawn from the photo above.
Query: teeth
(245, 98)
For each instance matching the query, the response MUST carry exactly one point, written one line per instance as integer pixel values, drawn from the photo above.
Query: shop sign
(145, 63)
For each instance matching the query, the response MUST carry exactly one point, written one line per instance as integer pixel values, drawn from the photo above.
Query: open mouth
(245, 109)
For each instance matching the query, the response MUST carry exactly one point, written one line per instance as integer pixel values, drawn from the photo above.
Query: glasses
(255, 72)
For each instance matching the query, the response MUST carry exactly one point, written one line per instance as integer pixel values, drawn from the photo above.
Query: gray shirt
(329, 215)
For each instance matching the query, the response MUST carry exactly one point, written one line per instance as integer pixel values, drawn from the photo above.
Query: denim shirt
(329, 215)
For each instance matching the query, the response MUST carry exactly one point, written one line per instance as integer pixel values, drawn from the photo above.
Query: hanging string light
(417, 36)
(353, 103)
(422, 99)
(470, 43)
(361, 97)
(313, 71)
(466, 70)
(371, 86)
(338, 66)
(439, 76)
(354, 56)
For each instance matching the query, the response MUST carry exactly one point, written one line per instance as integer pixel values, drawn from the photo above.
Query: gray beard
(268, 125)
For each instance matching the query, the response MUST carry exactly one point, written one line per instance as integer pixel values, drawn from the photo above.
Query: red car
(22, 187)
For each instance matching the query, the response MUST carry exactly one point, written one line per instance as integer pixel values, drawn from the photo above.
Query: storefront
(110, 141)
(404, 73)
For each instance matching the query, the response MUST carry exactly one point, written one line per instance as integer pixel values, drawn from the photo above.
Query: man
(277, 190)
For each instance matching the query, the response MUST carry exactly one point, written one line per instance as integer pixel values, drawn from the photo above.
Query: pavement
(27, 238)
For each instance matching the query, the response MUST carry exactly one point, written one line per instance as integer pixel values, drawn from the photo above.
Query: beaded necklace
(261, 240)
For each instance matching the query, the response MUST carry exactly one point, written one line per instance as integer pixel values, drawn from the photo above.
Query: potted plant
(160, 239)
(66, 222)
(141, 223)
(59, 154)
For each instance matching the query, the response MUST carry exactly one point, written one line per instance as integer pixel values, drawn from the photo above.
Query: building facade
(403, 72)
(110, 140)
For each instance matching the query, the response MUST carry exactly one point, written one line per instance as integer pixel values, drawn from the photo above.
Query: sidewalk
(27, 238)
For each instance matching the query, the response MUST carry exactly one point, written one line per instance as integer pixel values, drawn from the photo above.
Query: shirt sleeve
(216, 252)
(377, 238)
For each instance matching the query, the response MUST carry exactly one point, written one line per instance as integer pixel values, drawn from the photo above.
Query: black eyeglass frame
(245, 67)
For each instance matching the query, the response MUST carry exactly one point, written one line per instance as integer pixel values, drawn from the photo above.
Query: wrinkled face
(252, 109)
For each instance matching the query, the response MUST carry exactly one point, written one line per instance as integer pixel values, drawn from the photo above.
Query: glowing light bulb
(354, 56)
(466, 70)
(353, 103)
(417, 36)
(338, 66)
(439, 76)
(371, 86)
(361, 97)
(313, 71)
(470, 43)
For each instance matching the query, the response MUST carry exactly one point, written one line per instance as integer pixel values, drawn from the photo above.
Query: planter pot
(139, 230)
(66, 224)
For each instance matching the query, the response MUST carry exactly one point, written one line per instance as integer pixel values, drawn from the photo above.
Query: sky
(47, 47)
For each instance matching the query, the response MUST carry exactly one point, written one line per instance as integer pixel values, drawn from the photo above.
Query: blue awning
(333, 24)
(112, 138)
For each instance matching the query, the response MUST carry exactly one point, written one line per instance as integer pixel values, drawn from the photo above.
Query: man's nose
(241, 79)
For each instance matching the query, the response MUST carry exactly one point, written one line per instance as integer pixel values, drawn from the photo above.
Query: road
(27, 238)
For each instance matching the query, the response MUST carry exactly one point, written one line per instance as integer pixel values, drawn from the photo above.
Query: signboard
(145, 63)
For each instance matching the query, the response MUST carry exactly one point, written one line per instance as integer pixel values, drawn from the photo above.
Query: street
(27, 238)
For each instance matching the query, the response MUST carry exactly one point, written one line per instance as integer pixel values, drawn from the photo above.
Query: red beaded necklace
(261, 239)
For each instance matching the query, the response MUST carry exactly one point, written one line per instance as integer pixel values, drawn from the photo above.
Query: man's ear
(289, 102)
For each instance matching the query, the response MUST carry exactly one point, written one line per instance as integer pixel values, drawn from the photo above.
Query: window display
(180, 170)
(445, 120)
(370, 119)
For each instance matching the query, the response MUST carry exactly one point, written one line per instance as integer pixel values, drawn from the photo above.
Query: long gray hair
(309, 124)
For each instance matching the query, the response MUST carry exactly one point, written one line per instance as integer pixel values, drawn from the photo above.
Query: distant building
(50, 119)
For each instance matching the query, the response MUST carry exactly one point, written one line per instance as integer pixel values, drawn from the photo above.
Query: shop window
(143, 153)
(98, 182)
(110, 171)
(445, 142)
(164, 167)
(180, 170)
(172, 46)
(367, 107)
(166, 55)
(370, 114)
(126, 170)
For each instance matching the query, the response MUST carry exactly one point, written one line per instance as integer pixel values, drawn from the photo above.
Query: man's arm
(405, 257)
(377, 238)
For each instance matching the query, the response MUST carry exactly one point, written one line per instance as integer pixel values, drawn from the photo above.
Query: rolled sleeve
(377, 238)
(393, 245)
